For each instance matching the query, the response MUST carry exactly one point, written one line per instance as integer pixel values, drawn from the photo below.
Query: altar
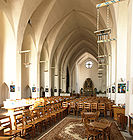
(88, 87)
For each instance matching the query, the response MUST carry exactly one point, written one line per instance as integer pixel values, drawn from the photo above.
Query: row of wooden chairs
(29, 121)
(90, 107)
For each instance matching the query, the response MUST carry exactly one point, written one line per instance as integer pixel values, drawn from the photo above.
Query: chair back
(5, 122)
(41, 112)
(87, 106)
(72, 104)
(93, 107)
(65, 104)
(19, 121)
(80, 105)
(101, 106)
(35, 114)
(27, 117)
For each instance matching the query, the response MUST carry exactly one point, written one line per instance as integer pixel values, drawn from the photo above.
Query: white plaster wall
(85, 73)
(120, 98)
(131, 60)
(9, 56)
(129, 74)
(25, 71)
(29, 75)
(1, 46)
(121, 40)
(121, 50)
(113, 96)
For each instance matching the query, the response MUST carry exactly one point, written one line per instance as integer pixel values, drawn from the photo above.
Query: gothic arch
(4, 93)
(27, 92)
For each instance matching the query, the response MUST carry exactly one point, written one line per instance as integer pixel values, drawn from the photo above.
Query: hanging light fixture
(26, 52)
(100, 74)
(100, 68)
(43, 61)
(99, 77)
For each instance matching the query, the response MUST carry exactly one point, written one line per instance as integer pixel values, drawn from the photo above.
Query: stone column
(47, 89)
(56, 83)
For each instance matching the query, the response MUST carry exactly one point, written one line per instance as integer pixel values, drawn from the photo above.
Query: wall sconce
(41, 61)
(122, 79)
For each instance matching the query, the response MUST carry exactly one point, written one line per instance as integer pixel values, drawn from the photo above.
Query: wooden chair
(65, 107)
(22, 126)
(80, 107)
(5, 138)
(91, 132)
(109, 109)
(36, 120)
(91, 117)
(51, 114)
(58, 112)
(94, 107)
(122, 120)
(102, 108)
(107, 131)
(43, 115)
(55, 113)
(71, 109)
(60, 109)
(87, 107)
(5, 122)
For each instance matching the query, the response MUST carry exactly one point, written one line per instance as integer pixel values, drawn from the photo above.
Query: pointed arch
(4, 93)
(27, 92)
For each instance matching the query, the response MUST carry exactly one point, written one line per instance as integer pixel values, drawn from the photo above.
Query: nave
(57, 51)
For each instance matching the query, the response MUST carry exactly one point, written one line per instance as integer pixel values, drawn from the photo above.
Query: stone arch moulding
(27, 92)
(4, 93)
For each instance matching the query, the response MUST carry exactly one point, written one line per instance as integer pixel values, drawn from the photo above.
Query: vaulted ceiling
(66, 26)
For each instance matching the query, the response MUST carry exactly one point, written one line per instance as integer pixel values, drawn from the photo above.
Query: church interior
(70, 69)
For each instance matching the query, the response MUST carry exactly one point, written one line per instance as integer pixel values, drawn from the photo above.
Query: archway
(42, 93)
(4, 93)
(27, 92)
